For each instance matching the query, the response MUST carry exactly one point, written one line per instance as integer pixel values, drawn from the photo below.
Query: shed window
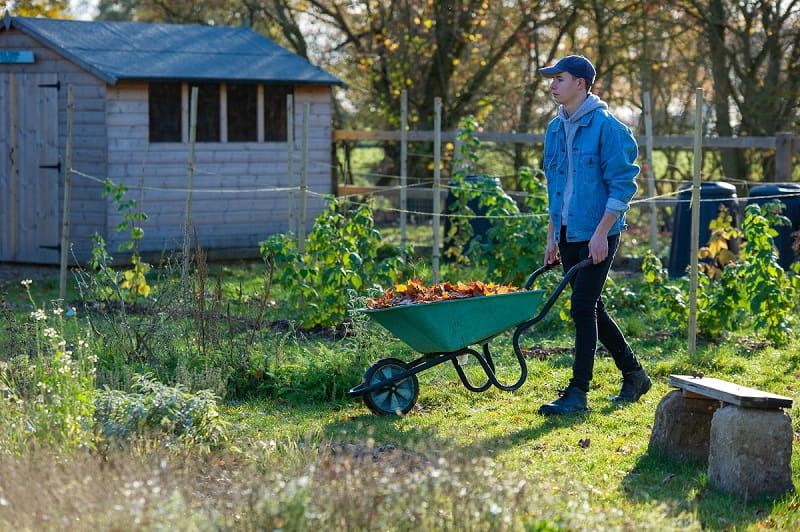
(236, 109)
(164, 103)
(242, 113)
(208, 112)
(275, 112)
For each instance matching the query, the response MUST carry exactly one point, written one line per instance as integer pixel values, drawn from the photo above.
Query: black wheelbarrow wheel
(396, 398)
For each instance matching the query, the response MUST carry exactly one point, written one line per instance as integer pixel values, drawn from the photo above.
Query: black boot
(570, 401)
(635, 384)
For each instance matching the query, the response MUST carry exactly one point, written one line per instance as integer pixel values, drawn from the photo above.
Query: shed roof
(136, 51)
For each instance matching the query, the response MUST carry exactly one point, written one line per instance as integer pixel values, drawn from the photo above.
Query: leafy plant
(458, 229)
(159, 411)
(514, 244)
(718, 298)
(733, 287)
(343, 251)
(717, 254)
(771, 296)
(132, 282)
(667, 299)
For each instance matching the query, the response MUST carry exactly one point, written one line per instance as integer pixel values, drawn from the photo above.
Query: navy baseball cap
(577, 65)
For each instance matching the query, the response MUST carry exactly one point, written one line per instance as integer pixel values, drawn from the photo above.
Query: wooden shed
(131, 84)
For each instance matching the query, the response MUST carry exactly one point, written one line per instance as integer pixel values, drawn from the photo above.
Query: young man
(589, 164)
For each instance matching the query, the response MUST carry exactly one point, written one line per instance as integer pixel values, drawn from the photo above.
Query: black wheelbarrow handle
(557, 292)
(546, 268)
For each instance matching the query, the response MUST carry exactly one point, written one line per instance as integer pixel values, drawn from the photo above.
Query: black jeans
(592, 322)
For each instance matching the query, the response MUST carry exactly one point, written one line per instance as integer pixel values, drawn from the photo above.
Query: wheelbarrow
(443, 331)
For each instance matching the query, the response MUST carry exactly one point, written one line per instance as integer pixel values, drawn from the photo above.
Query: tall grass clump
(294, 486)
(47, 386)
(50, 397)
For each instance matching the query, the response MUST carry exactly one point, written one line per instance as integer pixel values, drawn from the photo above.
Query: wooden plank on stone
(729, 392)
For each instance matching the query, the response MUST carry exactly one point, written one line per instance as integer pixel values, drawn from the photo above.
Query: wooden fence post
(189, 184)
(783, 157)
(695, 237)
(301, 223)
(62, 277)
(290, 149)
(651, 178)
(403, 167)
(437, 183)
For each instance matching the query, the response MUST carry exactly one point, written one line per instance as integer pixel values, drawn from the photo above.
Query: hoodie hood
(591, 103)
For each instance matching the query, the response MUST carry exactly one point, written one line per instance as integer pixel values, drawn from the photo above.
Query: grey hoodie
(570, 124)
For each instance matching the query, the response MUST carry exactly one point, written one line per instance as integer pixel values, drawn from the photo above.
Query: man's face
(567, 89)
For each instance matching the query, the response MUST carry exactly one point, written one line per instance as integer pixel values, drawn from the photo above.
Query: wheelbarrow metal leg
(487, 364)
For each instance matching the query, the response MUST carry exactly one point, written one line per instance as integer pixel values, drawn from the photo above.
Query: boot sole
(561, 412)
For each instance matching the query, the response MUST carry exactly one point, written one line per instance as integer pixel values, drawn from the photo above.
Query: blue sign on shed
(16, 56)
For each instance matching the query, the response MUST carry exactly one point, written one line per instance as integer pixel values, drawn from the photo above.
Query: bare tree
(754, 60)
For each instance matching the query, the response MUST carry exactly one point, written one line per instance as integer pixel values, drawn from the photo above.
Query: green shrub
(514, 244)
(165, 413)
(733, 290)
(343, 252)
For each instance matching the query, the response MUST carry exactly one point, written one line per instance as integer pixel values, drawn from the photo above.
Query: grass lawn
(585, 471)
(458, 460)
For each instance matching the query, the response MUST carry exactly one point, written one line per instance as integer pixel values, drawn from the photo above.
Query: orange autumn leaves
(415, 292)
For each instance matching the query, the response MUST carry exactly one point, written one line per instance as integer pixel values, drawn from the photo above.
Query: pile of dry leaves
(415, 292)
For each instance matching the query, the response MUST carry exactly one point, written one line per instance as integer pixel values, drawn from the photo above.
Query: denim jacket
(604, 173)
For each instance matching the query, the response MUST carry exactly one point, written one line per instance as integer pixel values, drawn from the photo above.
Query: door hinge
(56, 85)
(51, 166)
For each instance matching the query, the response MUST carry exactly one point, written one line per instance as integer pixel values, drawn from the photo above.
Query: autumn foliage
(416, 292)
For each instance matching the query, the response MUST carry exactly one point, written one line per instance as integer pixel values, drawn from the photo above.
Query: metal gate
(30, 168)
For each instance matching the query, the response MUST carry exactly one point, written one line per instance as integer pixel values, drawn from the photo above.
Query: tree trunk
(733, 161)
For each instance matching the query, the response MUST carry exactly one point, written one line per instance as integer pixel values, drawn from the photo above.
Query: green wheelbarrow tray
(449, 325)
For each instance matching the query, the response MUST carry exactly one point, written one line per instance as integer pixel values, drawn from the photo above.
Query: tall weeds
(47, 386)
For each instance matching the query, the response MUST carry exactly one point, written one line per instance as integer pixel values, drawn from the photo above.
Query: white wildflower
(26, 283)
(38, 315)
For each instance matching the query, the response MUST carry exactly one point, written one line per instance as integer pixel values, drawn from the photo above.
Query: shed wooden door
(30, 170)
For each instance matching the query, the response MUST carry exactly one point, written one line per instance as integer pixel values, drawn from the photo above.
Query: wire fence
(426, 189)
